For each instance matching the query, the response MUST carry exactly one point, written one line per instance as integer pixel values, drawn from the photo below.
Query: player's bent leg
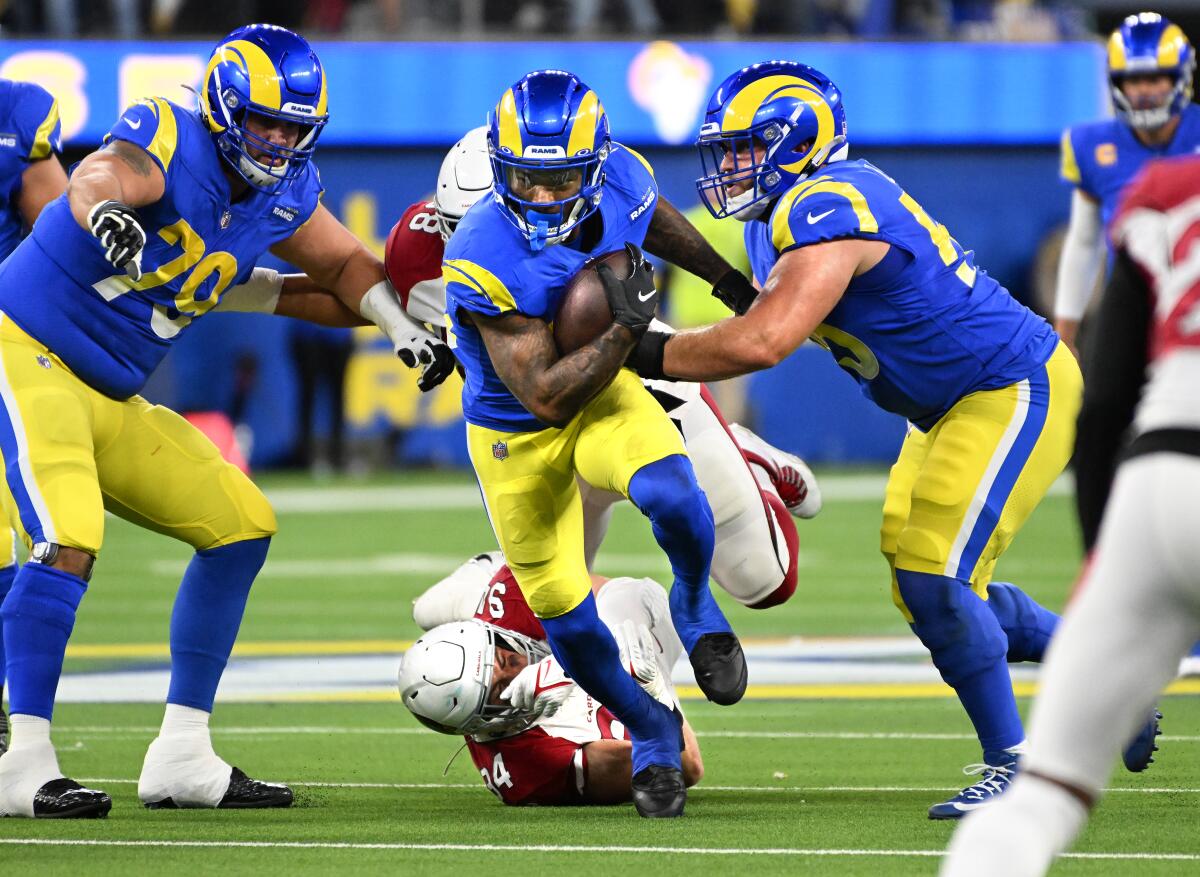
(1027, 625)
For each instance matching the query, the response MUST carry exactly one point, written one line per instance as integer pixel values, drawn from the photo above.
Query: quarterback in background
(30, 177)
(1138, 610)
(535, 736)
(216, 187)
(1150, 69)
(844, 255)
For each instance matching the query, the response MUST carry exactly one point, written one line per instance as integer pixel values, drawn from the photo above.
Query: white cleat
(790, 476)
(457, 596)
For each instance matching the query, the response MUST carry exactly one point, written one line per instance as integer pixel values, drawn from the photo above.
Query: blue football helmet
(271, 72)
(1146, 43)
(548, 131)
(767, 126)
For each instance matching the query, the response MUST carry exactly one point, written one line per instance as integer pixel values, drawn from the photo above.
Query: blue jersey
(490, 269)
(29, 131)
(1099, 158)
(109, 330)
(925, 326)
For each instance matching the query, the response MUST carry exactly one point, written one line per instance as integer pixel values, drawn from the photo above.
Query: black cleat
(3, 727)
(720, 667)
(66, 799)
(659, 792)
(243, 794)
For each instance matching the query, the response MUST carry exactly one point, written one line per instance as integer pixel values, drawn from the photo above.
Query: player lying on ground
(536, 737)
(845, 256)
(32, 175)
(754, 557)
(1139, 608)
(217, 187)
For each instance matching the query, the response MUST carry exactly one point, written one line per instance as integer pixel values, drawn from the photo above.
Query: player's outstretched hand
(639, 655)
(415, 345)
(540, 688)
(633, 299)
(735, 291)
(117, 227)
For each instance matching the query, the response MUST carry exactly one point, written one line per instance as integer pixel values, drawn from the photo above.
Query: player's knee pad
(960, 631)
(1027, 625)
(247, 513)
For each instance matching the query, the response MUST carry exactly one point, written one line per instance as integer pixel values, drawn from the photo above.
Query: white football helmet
(465, 177)
(445, 677)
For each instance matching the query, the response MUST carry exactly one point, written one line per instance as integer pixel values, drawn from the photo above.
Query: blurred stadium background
(962, 100)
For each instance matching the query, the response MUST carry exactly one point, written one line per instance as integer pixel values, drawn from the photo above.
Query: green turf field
(834, 783)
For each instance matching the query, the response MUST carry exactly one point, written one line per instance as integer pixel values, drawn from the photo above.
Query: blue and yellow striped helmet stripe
(323, 98)
(507, 124)
(260, 70)
(1171, 46)
(583, 129)
(1116, 52)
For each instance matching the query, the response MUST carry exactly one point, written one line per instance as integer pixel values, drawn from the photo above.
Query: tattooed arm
(673, 238)
(120, 172)
(552, 389)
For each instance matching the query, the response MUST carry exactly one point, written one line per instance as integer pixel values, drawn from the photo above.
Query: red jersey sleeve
(504, 605)
(531, 768)
(413, 260)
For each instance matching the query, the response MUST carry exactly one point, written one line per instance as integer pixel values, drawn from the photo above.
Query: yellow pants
(532, 498)
(959, 493)
(70, 452)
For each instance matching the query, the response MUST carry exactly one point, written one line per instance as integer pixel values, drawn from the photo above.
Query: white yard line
(557, 848)
(101, 781)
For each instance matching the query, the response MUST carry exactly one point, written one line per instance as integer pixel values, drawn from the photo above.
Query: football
(583, 314)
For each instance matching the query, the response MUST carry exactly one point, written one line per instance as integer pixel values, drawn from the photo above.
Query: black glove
(632, 300)
(735, 291)
(438, 361)
(120, 233)
(646, 358)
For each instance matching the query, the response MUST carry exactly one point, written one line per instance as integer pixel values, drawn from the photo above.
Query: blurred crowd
(1017, 20)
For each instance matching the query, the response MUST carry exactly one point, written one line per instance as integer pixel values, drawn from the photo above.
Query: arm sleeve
(150, 124)
(1081, 258)
(39, 129)
(1115, 365)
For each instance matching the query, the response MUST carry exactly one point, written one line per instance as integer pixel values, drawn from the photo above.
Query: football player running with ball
(153, 229)
(845, 256)
(564, 193)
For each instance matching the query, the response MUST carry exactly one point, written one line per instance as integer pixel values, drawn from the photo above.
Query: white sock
(28, 765)
(184, 720)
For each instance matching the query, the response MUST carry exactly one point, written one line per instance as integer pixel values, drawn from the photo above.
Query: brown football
(584, 314)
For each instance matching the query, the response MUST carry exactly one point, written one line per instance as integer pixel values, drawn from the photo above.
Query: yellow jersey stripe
(41, 139)
(781, 229)
(640, 158)
(166, 137)
(583, 130)
(482, 280)
(1069, 169)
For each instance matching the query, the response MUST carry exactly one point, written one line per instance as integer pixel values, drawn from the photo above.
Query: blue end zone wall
(999, 202)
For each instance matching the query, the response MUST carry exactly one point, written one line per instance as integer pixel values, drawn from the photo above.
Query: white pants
(1120, 642)
(751, 558)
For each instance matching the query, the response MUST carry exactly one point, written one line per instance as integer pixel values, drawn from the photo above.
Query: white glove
(414, 344)
(539, 689)
(639, 656)
(258, 295)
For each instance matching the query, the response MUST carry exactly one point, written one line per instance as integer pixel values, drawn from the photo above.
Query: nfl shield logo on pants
(500, 451)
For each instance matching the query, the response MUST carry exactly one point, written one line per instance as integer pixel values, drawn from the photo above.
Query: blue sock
(588, 653)
(207, 614)
(38, 617)
(667, 493)
(1027, 625)
(969, 647)
(7, 574)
